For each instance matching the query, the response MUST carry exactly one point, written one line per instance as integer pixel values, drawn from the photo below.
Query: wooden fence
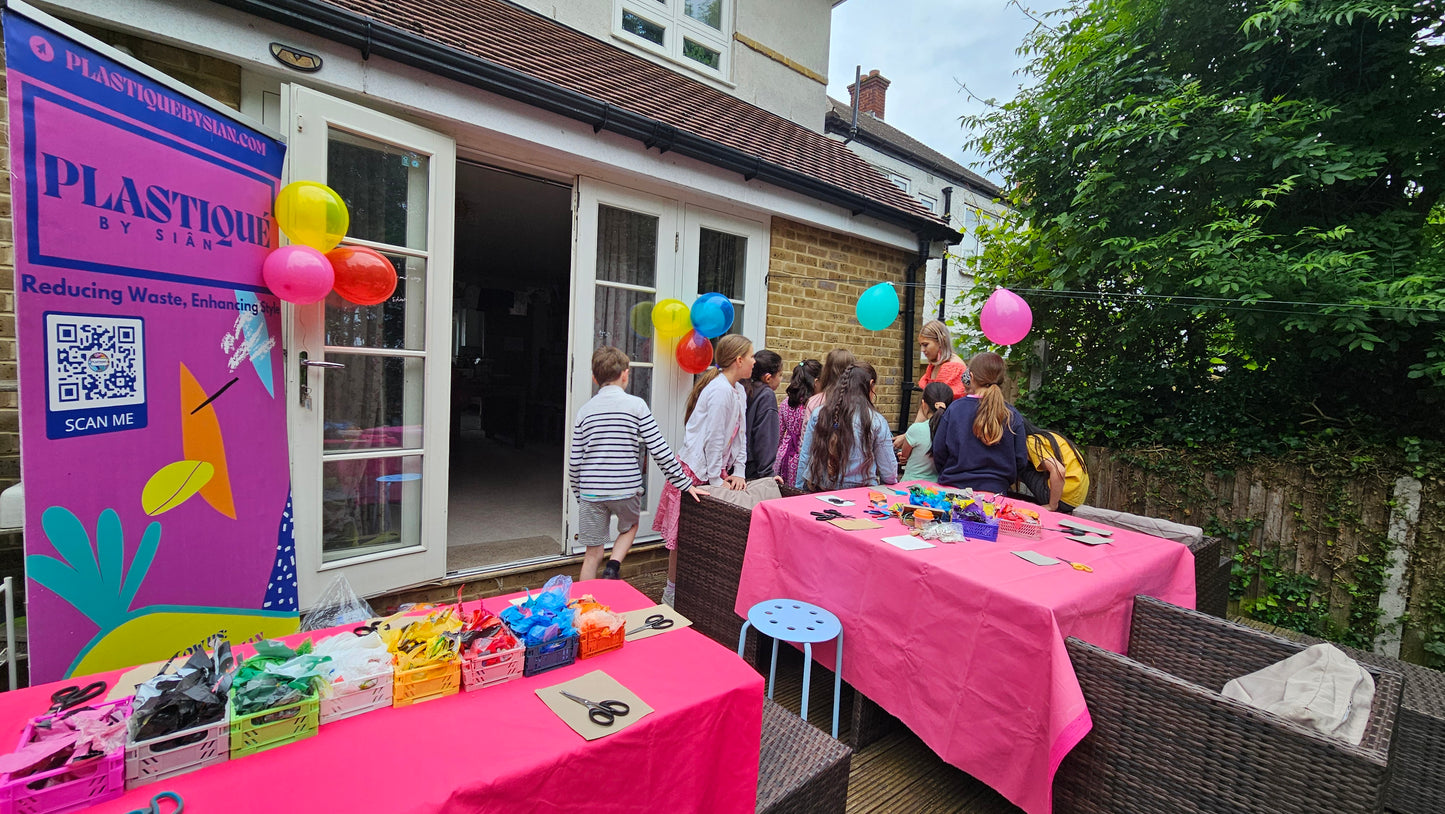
(1365, 579)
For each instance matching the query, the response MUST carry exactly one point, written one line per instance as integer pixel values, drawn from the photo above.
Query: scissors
(602, 713)
(828, 514)
(367, 629)
(155, 805)
(1078, 566)
(69, 697)
(654, 622)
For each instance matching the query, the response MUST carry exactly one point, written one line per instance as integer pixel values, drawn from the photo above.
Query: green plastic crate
(270, 728)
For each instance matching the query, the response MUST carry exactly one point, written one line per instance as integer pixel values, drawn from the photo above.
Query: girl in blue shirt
(979, 442)
(847, 442)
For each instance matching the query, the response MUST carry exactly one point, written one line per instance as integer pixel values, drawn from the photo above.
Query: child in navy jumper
(980, 441)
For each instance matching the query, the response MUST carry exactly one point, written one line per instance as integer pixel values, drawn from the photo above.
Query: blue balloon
(712, 315)
(878, 307)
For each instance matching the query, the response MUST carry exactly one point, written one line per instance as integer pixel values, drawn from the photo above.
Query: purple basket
(979, 531)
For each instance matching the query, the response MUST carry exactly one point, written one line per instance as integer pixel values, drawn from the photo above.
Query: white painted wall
(798, 29)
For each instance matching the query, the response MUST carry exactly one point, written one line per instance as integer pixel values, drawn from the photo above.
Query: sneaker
(612, 570)
(668, 595)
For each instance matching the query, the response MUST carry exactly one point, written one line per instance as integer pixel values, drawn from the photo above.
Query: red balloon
(363, 276)
(694, 352)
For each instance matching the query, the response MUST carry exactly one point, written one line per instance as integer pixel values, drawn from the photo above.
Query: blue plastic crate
(550, 655)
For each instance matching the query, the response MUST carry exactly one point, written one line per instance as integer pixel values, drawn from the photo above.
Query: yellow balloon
(671, 318)
(312, 214)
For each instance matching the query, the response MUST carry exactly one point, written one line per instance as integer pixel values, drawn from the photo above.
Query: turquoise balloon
(878, 307)
(712, 315)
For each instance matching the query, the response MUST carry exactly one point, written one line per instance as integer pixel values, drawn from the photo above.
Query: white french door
(633, 250)
(367, 384)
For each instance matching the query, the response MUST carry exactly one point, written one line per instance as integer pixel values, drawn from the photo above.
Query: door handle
(305, 393)
(326, 365)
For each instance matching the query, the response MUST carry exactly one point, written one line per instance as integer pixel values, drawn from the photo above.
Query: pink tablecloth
(965, 642)
(500, 749)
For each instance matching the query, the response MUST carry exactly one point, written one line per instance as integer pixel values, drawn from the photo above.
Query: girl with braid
(847, 442)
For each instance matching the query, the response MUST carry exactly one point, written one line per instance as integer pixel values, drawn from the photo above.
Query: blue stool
(799, 622)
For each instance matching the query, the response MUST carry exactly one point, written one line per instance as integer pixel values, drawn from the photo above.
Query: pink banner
(153, 433)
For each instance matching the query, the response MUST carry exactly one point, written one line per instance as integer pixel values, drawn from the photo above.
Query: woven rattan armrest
(1163, 743)
(801, 769)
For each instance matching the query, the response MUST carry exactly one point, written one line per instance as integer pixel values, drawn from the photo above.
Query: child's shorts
(592, 518)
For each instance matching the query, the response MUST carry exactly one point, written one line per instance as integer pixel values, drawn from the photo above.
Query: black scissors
(155, 804)
(602, 713)
(654, 622)
(367, 629)
(69, 697)
(828, 514)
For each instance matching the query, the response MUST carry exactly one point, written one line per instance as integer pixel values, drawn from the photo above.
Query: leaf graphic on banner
(98, 586)
(201, 441)
(174, 484)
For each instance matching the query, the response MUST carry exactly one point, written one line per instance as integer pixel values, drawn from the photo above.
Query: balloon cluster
(710, 316)
(315, 219)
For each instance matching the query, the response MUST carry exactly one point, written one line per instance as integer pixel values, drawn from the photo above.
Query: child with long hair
(762, 414)
(917, 450)
(837, 361)
(944, 365)
(714, 442)
(980, 439)
(1059, 476)
(793, 416)
(847, 442)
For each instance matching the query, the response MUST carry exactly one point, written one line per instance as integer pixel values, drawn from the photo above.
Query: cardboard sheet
(596, 686)
(126, 684)
(635, 619)
(854, 523)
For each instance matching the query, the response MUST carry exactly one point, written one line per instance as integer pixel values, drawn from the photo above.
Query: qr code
(94, 361)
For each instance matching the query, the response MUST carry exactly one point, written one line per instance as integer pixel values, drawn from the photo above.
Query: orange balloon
(363, 275)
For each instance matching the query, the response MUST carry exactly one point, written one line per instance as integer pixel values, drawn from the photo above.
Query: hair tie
(938, 405)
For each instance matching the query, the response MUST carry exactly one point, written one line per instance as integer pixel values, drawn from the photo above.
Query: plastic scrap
(484, 633)
(339, 605)
(194, 695)
(544, 616)
(68, 739)
(353, 657)
(424, 642)
(595, 617)
(277, 676)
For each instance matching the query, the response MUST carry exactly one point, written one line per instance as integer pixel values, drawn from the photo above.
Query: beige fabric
(757, 491)
(1320, 687)
(1169, 530)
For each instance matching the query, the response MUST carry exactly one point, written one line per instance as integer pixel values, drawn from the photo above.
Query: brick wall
(213, 77)
(814, 279)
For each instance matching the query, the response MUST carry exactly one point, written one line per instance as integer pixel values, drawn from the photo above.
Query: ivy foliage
(1230, 218)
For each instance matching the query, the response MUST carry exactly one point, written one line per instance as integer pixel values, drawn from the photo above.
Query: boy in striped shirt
(605, 466)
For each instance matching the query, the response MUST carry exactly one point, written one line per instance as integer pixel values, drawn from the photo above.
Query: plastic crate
(426, 683)
(1032, 531)
(94, 781)
(357, 695)
(550, 655)
(597, 641)
(274, 727)
(493, 668)
(168, 756)
(979, 531)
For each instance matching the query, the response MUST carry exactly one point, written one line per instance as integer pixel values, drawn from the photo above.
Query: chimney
(870, 100)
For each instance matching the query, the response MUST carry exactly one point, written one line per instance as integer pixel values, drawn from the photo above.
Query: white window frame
(903, 182)
(930, 202)
(677, 26)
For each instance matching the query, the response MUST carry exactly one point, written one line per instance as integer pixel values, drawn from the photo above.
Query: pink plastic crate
(495, 668)
(167, 756)
(357, 695)
(93, 781)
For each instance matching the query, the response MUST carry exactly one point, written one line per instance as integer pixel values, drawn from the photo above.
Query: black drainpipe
(910, 338)
(943, 264)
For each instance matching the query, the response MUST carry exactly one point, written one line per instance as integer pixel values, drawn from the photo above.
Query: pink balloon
(1005, 318)
(298, 274)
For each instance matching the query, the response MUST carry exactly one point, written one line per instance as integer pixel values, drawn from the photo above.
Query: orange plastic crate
(596, 641)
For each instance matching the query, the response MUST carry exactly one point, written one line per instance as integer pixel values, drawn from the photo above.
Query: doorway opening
(506, 500)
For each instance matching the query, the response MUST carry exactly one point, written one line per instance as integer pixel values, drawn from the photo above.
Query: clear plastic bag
(339, 605)
(943, 533)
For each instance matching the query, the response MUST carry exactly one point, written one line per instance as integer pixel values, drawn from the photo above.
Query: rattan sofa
(801, 770)
(1417, 761)
(1212, 564)
(1164, 740)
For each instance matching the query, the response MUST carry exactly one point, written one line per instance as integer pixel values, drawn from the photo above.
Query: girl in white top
(714, 442)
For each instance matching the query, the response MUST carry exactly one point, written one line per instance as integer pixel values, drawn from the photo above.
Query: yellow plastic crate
(426, 683)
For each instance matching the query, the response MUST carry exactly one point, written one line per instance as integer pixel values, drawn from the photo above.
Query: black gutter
(910, 338)
(374, 38)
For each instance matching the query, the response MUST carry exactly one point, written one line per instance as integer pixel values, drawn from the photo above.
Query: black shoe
(612, 570)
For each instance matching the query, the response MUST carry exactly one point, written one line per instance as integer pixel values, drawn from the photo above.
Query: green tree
(1229, 215)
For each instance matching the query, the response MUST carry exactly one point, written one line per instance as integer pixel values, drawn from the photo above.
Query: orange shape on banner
(201, 441)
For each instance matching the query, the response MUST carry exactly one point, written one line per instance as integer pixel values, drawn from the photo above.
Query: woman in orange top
(943, 364)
